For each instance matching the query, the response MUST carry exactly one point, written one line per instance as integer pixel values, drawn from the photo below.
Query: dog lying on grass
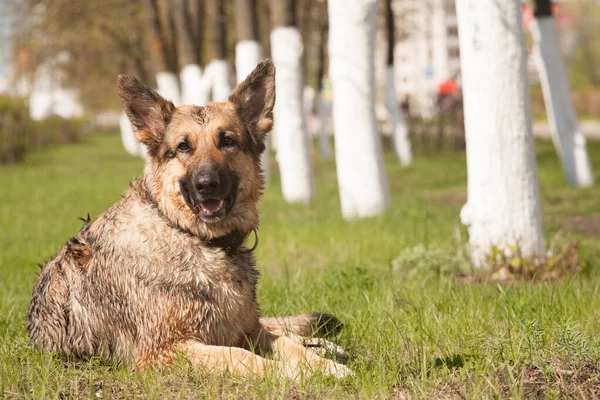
(164, 271)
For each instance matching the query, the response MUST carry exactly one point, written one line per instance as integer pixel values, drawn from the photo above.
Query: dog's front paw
(337, 370)
(325, 348)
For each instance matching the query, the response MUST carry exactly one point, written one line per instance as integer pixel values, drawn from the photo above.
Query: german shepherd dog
(164, 272)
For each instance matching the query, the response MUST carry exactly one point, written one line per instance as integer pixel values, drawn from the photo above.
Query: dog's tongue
(211, 206)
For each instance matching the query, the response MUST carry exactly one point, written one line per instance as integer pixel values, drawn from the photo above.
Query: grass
(420, 334)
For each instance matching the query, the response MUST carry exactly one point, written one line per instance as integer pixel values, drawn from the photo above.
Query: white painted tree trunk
(218, 76)
(503, 208)
(193, 89)
(168, 86)
(396, 119)
(293, 145)
(360, 171)
(247, 56)
(323, 114)
(130, 143)
(568, 139)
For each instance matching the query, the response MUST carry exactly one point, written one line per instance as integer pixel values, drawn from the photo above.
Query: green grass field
(410, 333)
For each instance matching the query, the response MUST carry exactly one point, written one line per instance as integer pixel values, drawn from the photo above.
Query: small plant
(433, 261)
(512, 265)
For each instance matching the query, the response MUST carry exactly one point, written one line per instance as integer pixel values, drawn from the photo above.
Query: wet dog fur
(142, 284)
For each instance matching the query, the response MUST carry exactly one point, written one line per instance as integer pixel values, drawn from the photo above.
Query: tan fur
(141, 284)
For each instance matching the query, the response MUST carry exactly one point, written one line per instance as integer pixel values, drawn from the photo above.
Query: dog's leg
(235, 360)
(322, 347)
(299, 327)
(295, 356)
(316, 323)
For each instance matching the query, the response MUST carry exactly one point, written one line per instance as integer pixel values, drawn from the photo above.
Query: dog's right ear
(148, 112)
(254, 99)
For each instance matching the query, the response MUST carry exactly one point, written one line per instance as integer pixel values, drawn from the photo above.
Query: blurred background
(391, 78)
(62, 57)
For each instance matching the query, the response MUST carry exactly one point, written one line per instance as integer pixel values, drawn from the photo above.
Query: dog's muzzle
(209, 192)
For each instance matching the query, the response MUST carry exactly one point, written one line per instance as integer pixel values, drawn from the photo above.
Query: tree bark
(186, 47)
(248, 54)
(503, 209)
(568, 140)
(193, 91)
(293, 144)
(323, 109)
(196, 22)
(157, 47)
(397, 122)
(128, 139)
(166, 80)
(217, 72)
(247, 49)
(361, 175)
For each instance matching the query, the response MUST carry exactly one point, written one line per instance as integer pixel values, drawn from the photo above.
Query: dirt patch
(587, 225)
(453, 196)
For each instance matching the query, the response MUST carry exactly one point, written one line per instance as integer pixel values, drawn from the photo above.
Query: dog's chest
(222, 300)
(194, 289)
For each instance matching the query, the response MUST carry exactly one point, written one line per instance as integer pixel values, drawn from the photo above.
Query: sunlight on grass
(409, 334)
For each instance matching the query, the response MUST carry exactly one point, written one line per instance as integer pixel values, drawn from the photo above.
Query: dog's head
(203, 166)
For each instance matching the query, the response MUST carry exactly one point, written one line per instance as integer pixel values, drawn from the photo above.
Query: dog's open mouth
(210, 207)
(209, 210)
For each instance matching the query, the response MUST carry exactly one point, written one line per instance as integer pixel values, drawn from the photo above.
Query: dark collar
(229, 243)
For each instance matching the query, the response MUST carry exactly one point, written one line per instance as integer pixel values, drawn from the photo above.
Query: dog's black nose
(207, 180)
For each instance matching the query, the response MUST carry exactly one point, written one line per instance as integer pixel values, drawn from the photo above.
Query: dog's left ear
(148, 112)
(254, 99)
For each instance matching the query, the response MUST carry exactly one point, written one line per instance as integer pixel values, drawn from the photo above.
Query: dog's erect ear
(255, 98)
(148, 112)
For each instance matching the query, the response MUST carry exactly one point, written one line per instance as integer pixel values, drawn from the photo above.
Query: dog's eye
(183, 147)
(227, 141)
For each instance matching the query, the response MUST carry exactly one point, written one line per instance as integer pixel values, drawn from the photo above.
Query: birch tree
(217, 71)
(397, 123)
(128, 139)
(323, 109)
(503, 208)
(247, 49)
(361, 176)
(248, 54)
(166, 79)
(193, 89)
(293, 145)
(568, 140)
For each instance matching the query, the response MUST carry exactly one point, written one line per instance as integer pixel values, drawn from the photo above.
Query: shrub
(56, 130)
(15, 127)
(18, 132)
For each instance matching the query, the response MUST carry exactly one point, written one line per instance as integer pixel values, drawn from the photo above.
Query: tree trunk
(166, 80)
(293, 144)
(217, 72)
(248, 54)
(192, 89)
(397, 123)
(165, 12)
(130, 143)
(196, 22)
(568, 140)
(360, 171)
(323, 109)
(247, 49)
(503, 208)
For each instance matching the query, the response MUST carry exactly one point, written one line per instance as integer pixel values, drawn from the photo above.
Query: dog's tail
(311, 324)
